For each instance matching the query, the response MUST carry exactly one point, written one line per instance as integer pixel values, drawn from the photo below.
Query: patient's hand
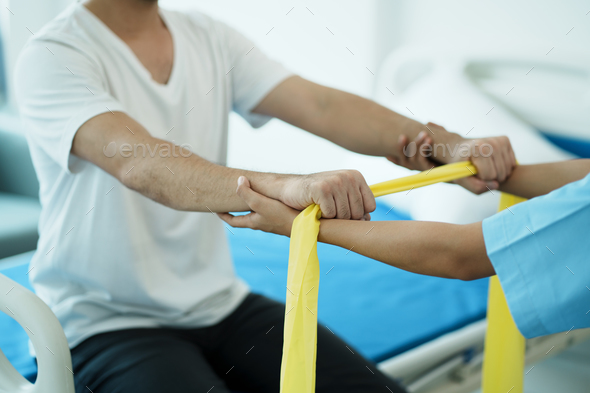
(268, 215)
(493, 167)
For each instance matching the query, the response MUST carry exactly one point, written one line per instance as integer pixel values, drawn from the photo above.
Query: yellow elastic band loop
(439, 174)
(303, 279)
(503, 364)
(300, 335)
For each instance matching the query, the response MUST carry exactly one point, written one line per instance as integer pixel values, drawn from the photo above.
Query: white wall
(310, 38)
(517, 24)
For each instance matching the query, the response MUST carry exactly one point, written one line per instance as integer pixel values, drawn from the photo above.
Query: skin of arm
(430, 248)
(192, 183)
(189, 182)
(529, 181)
(365, 127)
(351, 121)
(440, 249)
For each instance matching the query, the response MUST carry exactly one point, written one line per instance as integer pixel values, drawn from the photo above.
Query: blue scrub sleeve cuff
(512, 279)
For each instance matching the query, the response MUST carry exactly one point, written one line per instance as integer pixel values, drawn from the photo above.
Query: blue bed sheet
(380, 310)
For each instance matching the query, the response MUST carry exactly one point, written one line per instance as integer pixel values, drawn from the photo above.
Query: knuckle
(323, 187)
(338, 180)
(355, 175)
(347, 177)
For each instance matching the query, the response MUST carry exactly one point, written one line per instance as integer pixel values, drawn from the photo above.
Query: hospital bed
(426, 332)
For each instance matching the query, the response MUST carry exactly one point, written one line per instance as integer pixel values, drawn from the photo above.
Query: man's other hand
(493, 157)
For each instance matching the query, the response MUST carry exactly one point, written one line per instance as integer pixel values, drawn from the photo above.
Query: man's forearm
(178, 178)
(529, 181)
(195, 184)
(348, 120)
(430, 248)
(162, 171)
(363, 126)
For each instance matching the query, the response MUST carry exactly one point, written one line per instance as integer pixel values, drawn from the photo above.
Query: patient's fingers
(513, 156)
(500, 162)
(355, 200)
(402, 151)
(244, 221)
(393, 159)
(500, 166)
(368, 198)
(342, 205)
(412, 155)
(486, 169)
(413, 152)
(423, 161)
(476, 185)
(509, 160)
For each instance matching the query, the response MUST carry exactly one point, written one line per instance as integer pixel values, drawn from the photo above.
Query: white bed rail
(55, 373)
(452, 363)
(413, 363)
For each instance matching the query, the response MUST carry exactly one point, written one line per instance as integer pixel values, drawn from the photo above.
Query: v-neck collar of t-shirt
(129, 52)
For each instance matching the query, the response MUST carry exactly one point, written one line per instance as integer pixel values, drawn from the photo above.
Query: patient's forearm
(353, 122)
(430, 248)
(195, 184)
(163, 171)
(365, 127)
(529, 181)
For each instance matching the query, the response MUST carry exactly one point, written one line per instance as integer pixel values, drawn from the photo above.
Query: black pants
(242, 353)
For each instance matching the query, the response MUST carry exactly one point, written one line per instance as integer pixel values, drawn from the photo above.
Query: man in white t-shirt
(126, 110)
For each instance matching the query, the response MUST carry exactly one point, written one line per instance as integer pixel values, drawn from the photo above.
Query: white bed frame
(55, 373)
(448, 364)
(452, 363)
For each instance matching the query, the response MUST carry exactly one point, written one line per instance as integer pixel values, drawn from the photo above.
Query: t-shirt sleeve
(540, 250)
(59, 88)
(253, 74)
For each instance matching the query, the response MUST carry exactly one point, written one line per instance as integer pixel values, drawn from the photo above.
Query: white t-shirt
(109, 258)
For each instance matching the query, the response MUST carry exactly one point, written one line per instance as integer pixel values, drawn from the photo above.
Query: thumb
(243, 188)
(251, 197)
(243, 182)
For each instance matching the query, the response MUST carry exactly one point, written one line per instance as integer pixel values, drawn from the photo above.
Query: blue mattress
(577, 146)
(380, 310)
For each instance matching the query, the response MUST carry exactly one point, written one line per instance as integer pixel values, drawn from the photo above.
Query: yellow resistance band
(503, 363)
(300, 336)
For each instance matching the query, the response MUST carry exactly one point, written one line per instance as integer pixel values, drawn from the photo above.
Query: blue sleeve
(540, 250)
